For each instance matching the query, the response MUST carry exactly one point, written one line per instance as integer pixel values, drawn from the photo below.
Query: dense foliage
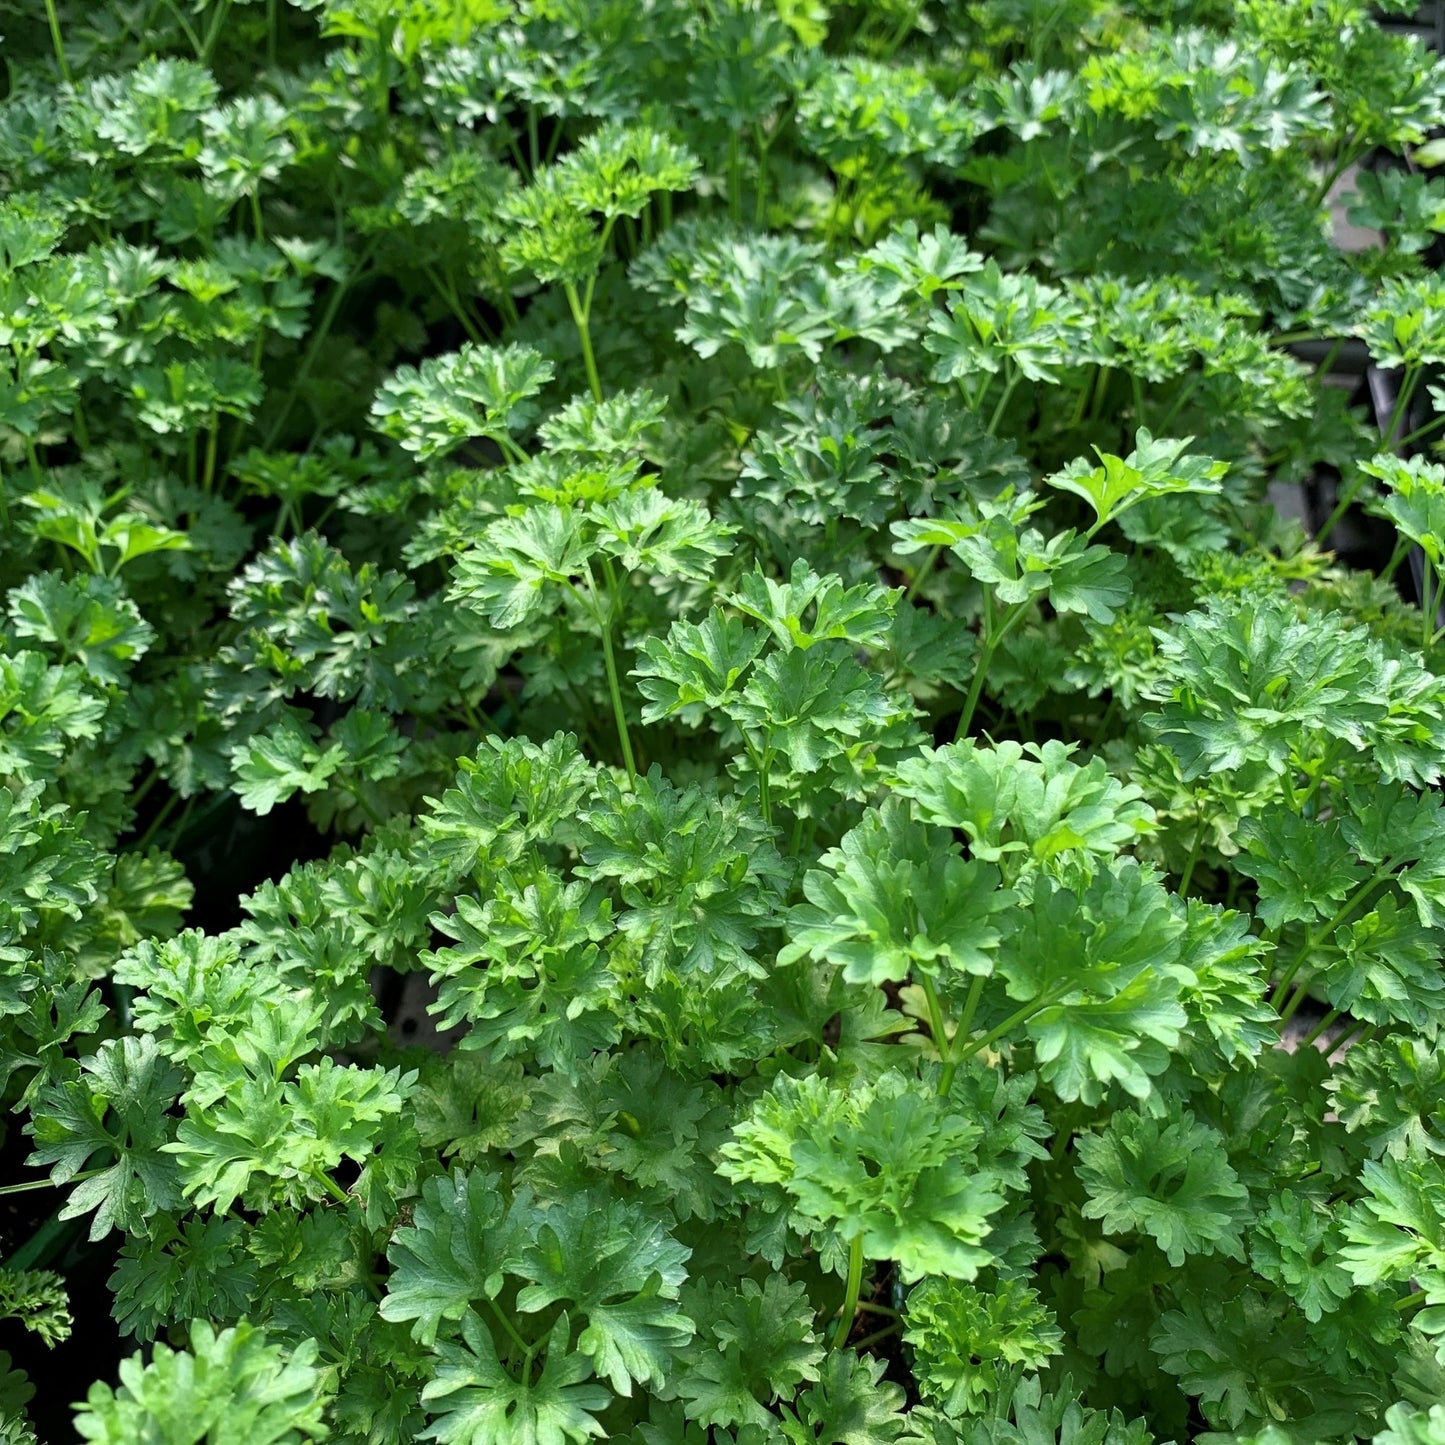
(731, 538)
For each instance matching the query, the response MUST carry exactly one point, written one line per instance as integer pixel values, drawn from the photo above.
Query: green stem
(31, 1185)
(991, 645)
(580, 311)
(1018, 1016)
(878, 1335)
(213, 438)
(851, 1292)
(1397, 415)
(1346, 158)
(1008, 390)
(1316, 936)
(1319, 1028)
(1187, 876)
(273, 8)
(1400, 410)
(1402, 550)
(614, 684)
(937, 1026)
(1409, 1301)
(1330, 357)
(456, 305)
(313, 347)
(158, 822)
(257, 224)
(735, 177)
(58, 41)
(190, 34)
(929, 563)
(45, 1244)
(1317, 782)
(1177, 405)
(330, 1185)
(1419, 432)
(1299, 996)
(763, 762)
(510, 1330)
(213, 35)
(965, 1025)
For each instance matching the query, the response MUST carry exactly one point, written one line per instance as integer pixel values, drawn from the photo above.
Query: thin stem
(584, 332)
(158, 822)
(1187, 876)
(1400, 410)
(1402, 550)
(213, 35)
(455, 305)
(58, 41)
(1003, 401)
(330, 1185)
(1315, 937)
(313, 347)
(1347, 157)
(190, 34)
(929, 563)
(1017, 1017)
(851, 1292)
(1330, 357)
(980, 672)
(1315, 1033)
(31, 1185)
(614, 685)
(1429, 605)
(965, 1024)
(764, 764)
(878, 1335)
(936, 1024)
(1317, 782)
(1419, 432)
(510, 1330)
(1299, 996)
(1177, 405)
(213, 438)
(1409, 1301)
(273, 8)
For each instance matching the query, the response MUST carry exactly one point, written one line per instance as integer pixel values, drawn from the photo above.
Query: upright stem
(330, 1185)
(213, 437)
(605, 615)
(992, 638)
(851, 1292)
(1193, 859)
(580, 309)
(1397, 415)
(1320, 1028)
(936, 1024)
(313, 347)
(214, 33)
(763, 761)
(1018, 1016)
(58, 41)
(1008, 390)
(925, 570)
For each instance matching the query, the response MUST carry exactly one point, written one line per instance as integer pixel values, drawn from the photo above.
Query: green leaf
(230, 1388)
(477, 1402)
(1170, 1181)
